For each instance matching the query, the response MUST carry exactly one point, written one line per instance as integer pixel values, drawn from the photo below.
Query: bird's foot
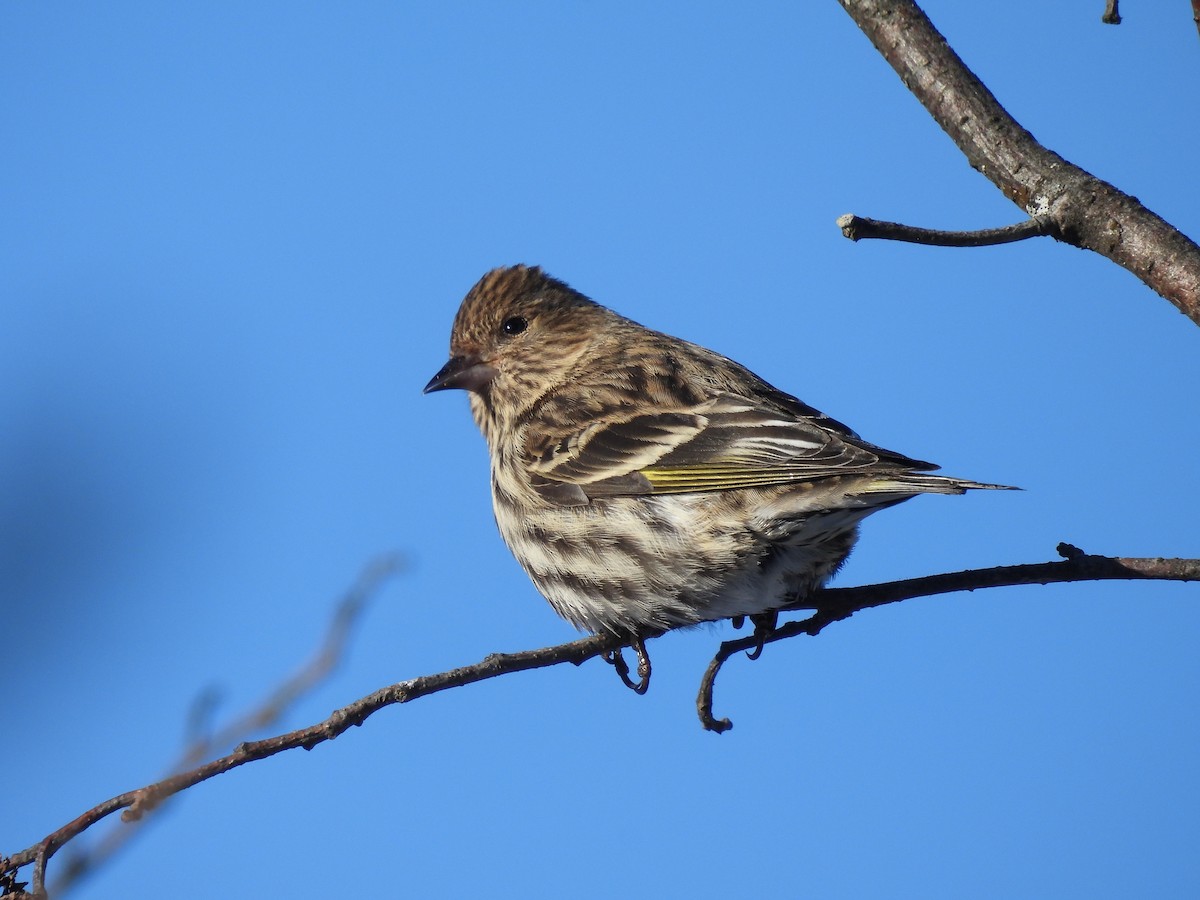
(617, 660)
(764, 627)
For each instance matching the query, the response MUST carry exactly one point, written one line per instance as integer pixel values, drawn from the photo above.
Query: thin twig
(1196, 13)
(858, 228)
(201, 746)
(340, 721)
(834, 605)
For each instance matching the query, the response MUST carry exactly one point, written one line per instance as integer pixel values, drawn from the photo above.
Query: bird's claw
(764, 627)
(617, 660)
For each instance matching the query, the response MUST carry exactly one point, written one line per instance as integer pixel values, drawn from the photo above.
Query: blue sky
(234, 238)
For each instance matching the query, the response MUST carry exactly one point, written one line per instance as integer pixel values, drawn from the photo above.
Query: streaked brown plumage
(647, 483)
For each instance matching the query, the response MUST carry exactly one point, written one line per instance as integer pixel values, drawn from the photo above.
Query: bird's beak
(468, 373)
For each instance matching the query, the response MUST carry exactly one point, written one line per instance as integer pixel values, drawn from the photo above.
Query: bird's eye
(514, 326)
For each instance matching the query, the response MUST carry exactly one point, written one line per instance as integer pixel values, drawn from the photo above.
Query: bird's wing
(726, 442)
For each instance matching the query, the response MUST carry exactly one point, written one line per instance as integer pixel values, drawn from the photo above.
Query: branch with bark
(831, 605)
(1070, 204)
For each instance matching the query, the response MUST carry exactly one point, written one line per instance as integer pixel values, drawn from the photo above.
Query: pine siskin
(646, 483)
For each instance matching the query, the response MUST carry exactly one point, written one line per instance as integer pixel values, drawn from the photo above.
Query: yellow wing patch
(716, 478)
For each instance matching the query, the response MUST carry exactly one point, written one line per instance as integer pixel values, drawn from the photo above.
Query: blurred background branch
(203, 743)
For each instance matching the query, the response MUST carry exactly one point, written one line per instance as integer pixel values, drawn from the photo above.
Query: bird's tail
(920, 483)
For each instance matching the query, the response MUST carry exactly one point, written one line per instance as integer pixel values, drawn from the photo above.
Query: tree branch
(138, 802)
(834, 604)
(1111, 14)
(1080, 209)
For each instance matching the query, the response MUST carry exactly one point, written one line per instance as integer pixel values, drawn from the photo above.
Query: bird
(646, 483)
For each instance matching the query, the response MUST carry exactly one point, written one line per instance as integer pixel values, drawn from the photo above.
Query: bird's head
(517, 335)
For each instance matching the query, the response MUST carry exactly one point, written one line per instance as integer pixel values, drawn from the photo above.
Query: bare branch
(835, 604)
(1083, 210)
(309, 676)
(135, 803)
(858, 228)
(1111, 15)
(1196, 13)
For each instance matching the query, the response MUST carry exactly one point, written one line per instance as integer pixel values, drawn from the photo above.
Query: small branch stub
(858, 228)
